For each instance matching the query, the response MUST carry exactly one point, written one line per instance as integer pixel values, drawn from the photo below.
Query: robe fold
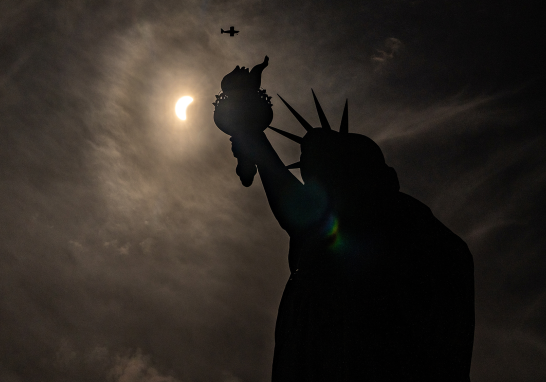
(384, 295)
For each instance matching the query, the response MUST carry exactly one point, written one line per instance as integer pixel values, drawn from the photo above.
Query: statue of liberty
(379, 290)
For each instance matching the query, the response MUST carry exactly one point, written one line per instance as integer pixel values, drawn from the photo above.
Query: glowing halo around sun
(181, 106)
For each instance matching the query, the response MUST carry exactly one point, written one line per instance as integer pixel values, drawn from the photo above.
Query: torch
(243, 107)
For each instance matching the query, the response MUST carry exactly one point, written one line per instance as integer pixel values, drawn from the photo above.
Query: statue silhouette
(379, 290)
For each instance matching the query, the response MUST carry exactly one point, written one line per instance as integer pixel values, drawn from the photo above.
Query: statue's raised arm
(244, 110)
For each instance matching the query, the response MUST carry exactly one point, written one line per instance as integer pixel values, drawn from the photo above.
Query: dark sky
(130, 252)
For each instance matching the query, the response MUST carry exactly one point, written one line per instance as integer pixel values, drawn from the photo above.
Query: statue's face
(341, 163)
(318, 156)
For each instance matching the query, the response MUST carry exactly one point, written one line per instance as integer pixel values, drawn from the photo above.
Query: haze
(129, 250)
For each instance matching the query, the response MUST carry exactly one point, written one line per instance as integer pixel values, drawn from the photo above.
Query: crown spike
(303, 122)
(323, 121)
(293, 165)
(344, 128)
(288, 135)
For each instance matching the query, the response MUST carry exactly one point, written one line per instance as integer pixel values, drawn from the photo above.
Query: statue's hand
(249, 146)
(245, 150)
(236, 148)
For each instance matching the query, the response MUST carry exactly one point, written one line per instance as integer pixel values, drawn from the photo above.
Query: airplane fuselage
(232, 32)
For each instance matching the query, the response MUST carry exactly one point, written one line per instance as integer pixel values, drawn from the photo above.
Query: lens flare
(181, 106)
(336, 239)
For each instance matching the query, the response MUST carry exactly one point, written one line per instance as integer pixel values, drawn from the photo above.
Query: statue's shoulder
(406, 203)
(420, 217)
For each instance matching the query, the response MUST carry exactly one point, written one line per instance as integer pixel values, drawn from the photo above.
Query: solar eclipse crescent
(181, 106)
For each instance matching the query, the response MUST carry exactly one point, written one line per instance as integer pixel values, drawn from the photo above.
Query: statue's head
(341, 162)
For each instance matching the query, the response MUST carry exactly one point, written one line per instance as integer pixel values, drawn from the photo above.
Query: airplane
(231, 31)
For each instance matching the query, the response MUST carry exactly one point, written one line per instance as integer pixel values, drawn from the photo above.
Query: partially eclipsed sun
(181, 106)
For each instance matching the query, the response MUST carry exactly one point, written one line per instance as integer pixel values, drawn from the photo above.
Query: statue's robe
(385, 294)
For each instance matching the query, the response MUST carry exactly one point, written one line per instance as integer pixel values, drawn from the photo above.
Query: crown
(325, 125)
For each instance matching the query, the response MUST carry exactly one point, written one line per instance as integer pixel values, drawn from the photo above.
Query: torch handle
(246, 169)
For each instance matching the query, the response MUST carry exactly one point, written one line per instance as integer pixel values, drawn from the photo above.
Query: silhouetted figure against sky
(243, 108)
(231, 31)
(379, 290)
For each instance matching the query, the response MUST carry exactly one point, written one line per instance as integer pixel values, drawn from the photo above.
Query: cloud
(123, 229)
(136, 368)
(389, 51)
(130, 365)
